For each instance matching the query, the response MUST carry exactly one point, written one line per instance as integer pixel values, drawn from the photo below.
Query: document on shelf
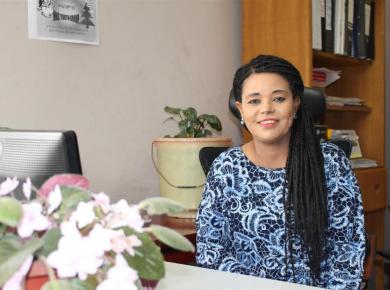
(363, 163)
(323, 77)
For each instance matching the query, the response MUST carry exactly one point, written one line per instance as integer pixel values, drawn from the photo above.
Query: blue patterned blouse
(241, 222)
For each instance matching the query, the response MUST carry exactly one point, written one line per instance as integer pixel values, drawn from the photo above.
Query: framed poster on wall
(63, 20)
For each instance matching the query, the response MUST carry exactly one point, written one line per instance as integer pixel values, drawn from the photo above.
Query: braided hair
(306, 198)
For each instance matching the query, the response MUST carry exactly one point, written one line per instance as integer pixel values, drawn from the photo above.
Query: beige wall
(152, 53)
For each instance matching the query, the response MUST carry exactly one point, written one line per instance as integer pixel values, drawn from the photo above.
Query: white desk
(183, 277)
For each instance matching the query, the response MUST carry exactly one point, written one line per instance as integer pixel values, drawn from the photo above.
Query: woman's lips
(267, 123)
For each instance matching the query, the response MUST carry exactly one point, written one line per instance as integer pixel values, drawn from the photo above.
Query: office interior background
(152, 53)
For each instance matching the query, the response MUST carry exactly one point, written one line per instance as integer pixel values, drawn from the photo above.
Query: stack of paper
(363, 163)
(338, 101)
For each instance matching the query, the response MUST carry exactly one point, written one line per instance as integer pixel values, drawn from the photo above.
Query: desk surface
(179, 277)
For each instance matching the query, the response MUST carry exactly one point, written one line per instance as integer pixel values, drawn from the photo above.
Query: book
(316, 25)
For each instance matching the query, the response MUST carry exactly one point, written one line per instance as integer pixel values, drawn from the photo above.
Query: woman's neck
(267, 155)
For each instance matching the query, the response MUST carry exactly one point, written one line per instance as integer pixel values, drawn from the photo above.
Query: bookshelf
(284, 28)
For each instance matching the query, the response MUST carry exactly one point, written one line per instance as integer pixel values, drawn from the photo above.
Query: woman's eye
(254, 101)
(279, 99)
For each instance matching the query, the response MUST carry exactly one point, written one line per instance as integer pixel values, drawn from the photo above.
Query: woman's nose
(267, 108)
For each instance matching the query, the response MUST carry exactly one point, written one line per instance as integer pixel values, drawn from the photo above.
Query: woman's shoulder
(330, 149)
(230, 154)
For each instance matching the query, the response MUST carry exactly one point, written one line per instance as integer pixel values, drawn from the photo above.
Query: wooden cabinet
(283, 28)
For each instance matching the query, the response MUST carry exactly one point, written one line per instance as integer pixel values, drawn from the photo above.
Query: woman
(282, 206)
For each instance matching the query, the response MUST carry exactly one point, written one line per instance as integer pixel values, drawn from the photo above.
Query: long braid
(307, 194)
(306, 212)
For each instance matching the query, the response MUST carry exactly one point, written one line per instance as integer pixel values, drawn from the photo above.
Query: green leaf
(172, 238)
(170, 118)
(71, 197)
(214, 122)
(190, 113)
(50, 241)
(74, 284)
(13, 253)
(10, 211)
(207, 132)
(160, 205)
(148, 260)
(171, 110)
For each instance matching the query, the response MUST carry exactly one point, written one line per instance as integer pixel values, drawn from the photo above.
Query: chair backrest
(343, 144)
(207, 156)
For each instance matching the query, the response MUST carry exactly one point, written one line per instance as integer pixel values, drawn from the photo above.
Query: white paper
(330, 77)
(63, 20)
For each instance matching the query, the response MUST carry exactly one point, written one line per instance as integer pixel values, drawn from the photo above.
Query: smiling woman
(283, 206)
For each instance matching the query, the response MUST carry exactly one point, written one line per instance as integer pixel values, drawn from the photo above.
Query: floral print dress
(241, 222)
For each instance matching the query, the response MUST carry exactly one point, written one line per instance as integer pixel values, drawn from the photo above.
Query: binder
(349, 26)
(316, 25)
(359, 43)
(329, 25)
(370, 27)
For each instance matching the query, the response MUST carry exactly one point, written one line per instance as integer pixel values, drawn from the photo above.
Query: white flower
(121, 243)
(17, 279)
(32, 220)
(84, 214)
(101, 238)
(75, 255)
(54, 199)
(119, 277)
(8, 185)
(102, 200)
(27, 188)
(125, 215)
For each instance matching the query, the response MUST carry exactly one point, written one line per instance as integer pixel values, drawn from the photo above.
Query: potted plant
(181, 175)
(82, 239)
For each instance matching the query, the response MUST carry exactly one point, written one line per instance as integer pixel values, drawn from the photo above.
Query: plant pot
(37, 276)
(181, 176)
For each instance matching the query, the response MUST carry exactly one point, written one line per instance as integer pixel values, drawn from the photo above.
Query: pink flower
(17, 279)
(119, 277)
(27, 188)
(125, 215)
(54, 199)
(84, 214)
(121, 243)
(8, 185)
(32, 220)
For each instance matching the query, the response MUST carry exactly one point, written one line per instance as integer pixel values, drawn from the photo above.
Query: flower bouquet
(84, 241)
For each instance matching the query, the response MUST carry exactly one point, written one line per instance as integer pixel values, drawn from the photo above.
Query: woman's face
(267, 107)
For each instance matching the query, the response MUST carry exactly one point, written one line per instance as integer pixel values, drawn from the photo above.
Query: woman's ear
(297, 103)
(239, 107)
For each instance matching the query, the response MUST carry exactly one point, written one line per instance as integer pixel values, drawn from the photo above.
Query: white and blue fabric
(241, 222)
